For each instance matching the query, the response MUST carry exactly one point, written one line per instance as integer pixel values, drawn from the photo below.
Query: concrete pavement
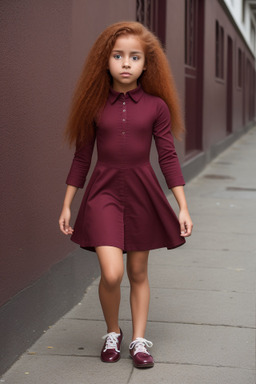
(202, 312)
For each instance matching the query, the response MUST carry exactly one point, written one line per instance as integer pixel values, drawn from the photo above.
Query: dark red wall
(35, 100)
(44, 46)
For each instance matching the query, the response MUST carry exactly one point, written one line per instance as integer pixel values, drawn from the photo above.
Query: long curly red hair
(93, 86)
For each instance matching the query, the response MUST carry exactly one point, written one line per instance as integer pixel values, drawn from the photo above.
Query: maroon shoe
(110, 352)
(139, 353)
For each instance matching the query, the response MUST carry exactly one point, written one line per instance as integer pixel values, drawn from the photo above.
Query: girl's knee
(137, 276)
(137, 266)
(112, 279)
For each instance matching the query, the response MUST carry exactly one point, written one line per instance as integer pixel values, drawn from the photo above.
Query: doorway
(194, 47)
(229, 121)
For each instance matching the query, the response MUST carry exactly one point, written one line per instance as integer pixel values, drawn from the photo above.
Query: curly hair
(93, 86)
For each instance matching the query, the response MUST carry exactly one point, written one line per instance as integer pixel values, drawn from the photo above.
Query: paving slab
(199, 307)
(72, 337)
(218, 241)
(205, 258)
(209, 279)
(192, 374)
(203, 345)
(67, 370)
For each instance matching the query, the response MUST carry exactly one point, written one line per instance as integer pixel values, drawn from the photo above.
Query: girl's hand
(186, 224)
(64, 221)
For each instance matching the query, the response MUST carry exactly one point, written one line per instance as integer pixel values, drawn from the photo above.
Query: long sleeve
(167, 156)
(81, 165)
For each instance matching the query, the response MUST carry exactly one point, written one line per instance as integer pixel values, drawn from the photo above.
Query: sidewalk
(202, 313)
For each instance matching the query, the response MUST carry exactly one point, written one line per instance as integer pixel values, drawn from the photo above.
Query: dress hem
(91, 248)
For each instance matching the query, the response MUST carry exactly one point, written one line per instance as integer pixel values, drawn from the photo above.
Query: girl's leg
(112, 270)
(137, 270)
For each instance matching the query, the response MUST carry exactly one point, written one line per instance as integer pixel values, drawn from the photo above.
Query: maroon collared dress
(124, 205)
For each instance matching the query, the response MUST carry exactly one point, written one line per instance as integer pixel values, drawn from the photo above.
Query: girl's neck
(121, 88)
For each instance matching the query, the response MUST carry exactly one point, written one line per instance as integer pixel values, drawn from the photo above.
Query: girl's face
(126, 63)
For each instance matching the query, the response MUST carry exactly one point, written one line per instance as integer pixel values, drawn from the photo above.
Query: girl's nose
(126, 63)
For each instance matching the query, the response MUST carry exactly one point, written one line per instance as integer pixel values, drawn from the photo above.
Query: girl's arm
(76, 179)
(66, 212)
(186, 224)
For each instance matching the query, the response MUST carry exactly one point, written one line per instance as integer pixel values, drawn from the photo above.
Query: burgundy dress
(124, 205)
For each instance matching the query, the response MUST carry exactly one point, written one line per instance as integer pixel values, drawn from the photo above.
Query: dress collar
(134, 94)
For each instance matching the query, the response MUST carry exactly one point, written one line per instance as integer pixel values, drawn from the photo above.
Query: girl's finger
(182, 229)
(63, 227)
(189, 229)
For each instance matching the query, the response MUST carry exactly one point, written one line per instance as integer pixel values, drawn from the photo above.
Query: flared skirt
(126, 208)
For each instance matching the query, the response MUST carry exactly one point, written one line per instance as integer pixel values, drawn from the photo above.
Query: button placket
(124, 118)
(123, 130)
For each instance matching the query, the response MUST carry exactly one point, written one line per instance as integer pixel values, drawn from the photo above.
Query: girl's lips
(125, 74)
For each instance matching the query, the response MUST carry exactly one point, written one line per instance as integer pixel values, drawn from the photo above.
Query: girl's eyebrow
(133, 52)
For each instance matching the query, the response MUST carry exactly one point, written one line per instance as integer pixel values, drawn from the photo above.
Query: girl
(125, 97)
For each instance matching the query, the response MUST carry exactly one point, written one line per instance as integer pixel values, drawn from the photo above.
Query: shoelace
(140, 344)
(111, 341)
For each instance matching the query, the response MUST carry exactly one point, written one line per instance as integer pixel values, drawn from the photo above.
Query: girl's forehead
(128, 42)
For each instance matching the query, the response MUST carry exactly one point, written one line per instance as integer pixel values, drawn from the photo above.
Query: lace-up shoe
(139, 353)
(110, 352)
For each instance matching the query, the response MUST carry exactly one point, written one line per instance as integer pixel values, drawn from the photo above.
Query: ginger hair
(93, 86)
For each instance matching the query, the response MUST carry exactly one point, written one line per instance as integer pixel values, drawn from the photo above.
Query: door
(244, 88)
(194, 32)
(229, 113)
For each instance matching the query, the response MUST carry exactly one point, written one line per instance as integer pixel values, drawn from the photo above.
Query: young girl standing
(125, 97)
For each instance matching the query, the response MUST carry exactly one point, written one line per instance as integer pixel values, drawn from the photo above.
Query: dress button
(123, 119)
(123, 133)
(124, 110)
(124, 103)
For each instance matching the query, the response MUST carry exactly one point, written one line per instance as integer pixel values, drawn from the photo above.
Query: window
(144, 13)
(243, 11)
(152, 14)
(219, 41)
(239, 68)
(252, 34)
(190, 32)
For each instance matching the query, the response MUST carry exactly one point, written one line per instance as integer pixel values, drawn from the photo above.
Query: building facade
(210, 45)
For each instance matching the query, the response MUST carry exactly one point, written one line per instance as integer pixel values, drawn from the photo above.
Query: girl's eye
(135, 58)
(117, 56)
